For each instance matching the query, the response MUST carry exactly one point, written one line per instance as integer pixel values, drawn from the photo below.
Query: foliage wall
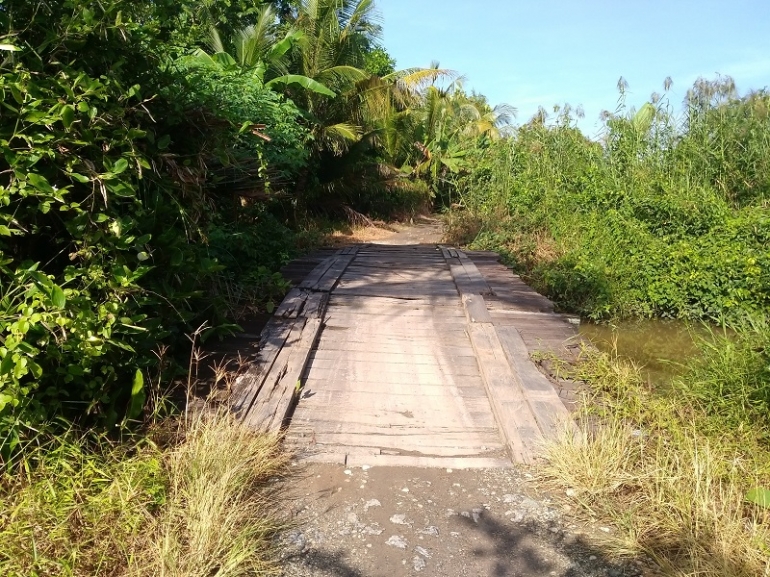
(666, 215)
(117, 217)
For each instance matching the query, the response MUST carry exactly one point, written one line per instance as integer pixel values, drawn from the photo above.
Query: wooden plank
(454, 463)
(318, 272)
(415, 324)
(412, 312)
(275, 399)
(409, 388)
(413, 442)
(477, 281)
(420, 327)
(532, 381)
(414, 451)
(247, 385)
(551, 414)
(452, 364)
(402, 367)
(307, 412)
(315, 305)
(292, 304)
(334, 272)
(508, 403)
(403, 348)
(456, 409)
(465, 274)
(475, 309)
(381, 384)
(338, 336)
(322, 426)
(396, 305)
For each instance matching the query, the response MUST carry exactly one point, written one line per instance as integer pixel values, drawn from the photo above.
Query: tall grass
(671, 483)
(671, 468)
(201, 505)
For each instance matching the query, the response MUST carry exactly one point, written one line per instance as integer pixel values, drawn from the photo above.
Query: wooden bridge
(408, 355)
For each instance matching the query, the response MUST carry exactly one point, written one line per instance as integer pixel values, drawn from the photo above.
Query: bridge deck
(408, 355)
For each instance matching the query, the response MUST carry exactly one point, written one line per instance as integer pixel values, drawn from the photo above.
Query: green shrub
(116, 199)
(653, 220)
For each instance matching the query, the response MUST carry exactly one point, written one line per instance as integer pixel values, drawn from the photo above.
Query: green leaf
(759, 496)
(57, 297)
(6, 364)
(270, 307)
(304, 81)
(35, 369)
(81, 178)
(138, 396)
(40, 182)
(120, 166)
(9, 48)
(177, 257)
(164, 141)
(68, 116)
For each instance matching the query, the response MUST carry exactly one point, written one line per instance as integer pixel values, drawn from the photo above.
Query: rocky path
(392, 522)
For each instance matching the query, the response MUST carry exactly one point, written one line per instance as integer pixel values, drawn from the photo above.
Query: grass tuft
(82, 505)
(220, 518)
(674, 490)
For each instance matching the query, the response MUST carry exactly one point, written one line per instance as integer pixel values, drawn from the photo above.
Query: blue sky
(546, 52)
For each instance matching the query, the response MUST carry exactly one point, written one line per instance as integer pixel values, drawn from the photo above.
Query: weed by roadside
(198, 502)
(670, 472)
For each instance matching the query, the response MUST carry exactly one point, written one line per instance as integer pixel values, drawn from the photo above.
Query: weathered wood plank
(333, 274)
(551, 414)
(388, 385)
(413, 442)
(274, 401)
(291, 306)
(315, 305)
(404, 348)
(396, 305)
(476, 280)
(247, 386)
(309, 410)
(475, 309)
(318, 272)
(375, 364)
(349, 426)
(459, 365)
(459, 463)
(508, 403)
(339, 336)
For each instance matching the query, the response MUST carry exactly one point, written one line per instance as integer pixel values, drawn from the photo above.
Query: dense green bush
(656, 219)
(119, 216)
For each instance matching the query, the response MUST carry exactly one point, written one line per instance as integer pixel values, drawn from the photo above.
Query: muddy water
(660, 347)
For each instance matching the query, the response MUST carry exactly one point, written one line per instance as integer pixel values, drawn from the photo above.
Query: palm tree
(257, 51)
(448, 120)
(335, 37)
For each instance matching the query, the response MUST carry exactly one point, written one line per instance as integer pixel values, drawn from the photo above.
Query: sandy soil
(422, 230)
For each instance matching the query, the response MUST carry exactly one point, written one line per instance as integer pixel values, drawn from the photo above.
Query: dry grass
(220, 516)
(358, 234)
(204, 506)
(672, 493)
